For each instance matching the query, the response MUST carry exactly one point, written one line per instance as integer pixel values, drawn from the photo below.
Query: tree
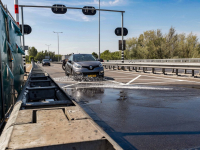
(40, 56)
(32, 51)
(95, 55)
(106, 55)
(31, 58)
(27, 58)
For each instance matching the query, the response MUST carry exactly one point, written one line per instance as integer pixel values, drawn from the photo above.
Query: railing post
(135, 69)
(144, 69)
(163, 70)
(193, 73)
(177, 72)
(153, 70)
(129, 68)
(172, 70)
(185, 71)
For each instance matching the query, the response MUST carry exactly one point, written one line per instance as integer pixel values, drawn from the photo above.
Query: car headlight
(77, 66)
(100, 65)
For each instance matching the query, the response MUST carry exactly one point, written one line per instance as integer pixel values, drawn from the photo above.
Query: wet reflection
(86, 94)
(123, 95)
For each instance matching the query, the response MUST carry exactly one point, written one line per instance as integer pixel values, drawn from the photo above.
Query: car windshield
(84, 57)
(45, 60)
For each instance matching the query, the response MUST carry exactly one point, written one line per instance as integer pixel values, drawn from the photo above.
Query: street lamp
(48, 49)
(99, 31)
(58, 42)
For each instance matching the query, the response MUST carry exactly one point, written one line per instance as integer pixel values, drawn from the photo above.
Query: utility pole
(58, 42)
(48, 49)
(99, 32)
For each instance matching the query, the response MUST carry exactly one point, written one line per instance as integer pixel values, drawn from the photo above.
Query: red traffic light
(86, 10)
(59, 10)
(118, 31)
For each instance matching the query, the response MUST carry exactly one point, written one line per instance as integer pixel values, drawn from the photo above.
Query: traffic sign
(86, 10)
(118, 31)
(120, 45)
(59, 10)
(27, 29)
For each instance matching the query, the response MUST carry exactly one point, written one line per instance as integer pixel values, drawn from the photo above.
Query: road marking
(70, 85)
(133, 80)
(147, 75)
(154, 82)
(115, 82)
(153, 76)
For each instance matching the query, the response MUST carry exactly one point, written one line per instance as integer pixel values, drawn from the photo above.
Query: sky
(80, 32)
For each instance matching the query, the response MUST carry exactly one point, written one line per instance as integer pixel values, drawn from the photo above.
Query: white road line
(153, 82)
(148, 76)
(115, 82)
(70, 85)
(133, 80)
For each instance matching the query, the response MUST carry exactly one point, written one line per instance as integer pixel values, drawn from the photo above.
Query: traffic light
(120, 45)
(86, 10)
(59, 10)
(27, 29)
(118, 31)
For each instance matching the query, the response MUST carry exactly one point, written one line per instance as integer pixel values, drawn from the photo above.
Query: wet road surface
(140, 111)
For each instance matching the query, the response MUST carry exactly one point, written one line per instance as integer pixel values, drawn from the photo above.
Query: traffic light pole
(99, 33)
(122, 38)
(122, 12)
(22, 16)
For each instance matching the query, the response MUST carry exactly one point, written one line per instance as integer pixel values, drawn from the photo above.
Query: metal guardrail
(181, 60)
(144, 65)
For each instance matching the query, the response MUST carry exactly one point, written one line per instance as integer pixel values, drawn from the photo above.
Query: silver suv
(84, 65)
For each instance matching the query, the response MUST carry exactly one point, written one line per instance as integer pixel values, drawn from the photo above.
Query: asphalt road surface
(140, 110)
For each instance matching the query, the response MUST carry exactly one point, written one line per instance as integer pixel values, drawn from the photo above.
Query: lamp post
(58, 42)
(48, 49)
(99, 32)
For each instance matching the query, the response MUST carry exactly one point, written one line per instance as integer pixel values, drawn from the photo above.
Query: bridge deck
(56, 122)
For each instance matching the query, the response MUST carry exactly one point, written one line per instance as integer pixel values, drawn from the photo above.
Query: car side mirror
(98, 60)
(70, 61)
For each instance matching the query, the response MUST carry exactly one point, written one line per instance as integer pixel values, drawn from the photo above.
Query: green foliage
(32, 51)
(27, 58)
(41, 55)
(107, 55)
(31, 58)
(153, 44)
(95, 55)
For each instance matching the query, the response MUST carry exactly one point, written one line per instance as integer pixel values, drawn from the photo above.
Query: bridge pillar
(153, 70)
(177, 72)
(193, 73)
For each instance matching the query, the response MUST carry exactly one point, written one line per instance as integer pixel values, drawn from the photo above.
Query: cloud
(77, 3)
